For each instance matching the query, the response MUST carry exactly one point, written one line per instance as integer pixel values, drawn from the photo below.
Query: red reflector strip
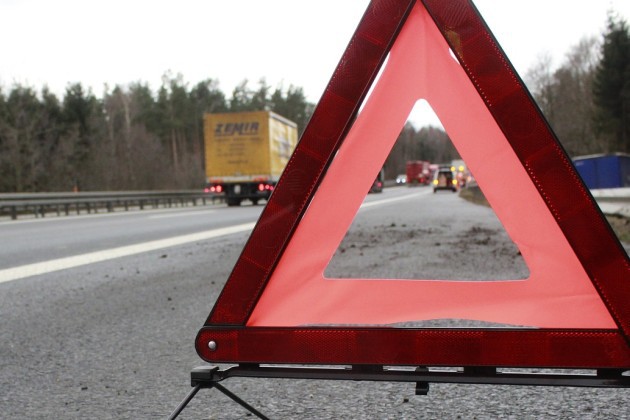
(397, 346)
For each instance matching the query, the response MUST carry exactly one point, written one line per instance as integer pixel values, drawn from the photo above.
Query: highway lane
(114, 339)
(42, 245)
(39, 240)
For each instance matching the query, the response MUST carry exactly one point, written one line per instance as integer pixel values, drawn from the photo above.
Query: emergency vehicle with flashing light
(444, 179)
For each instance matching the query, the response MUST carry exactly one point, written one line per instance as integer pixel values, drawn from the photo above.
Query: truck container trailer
(604, 170)
(245, 153)
(418, 173)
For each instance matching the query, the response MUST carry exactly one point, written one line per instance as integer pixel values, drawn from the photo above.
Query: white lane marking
(44, 267)
(392, 200)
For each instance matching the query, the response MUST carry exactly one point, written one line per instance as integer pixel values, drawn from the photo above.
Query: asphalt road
(46, 239)
(113, 339)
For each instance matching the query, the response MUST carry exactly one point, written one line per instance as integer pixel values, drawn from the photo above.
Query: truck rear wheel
(233, 202)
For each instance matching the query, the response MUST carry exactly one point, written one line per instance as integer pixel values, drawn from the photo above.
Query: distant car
(377, 185)
(401, 179)
(444, 179)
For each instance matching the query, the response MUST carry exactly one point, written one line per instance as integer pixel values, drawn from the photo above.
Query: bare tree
(573, 117)
(564, 96)
(540, 81)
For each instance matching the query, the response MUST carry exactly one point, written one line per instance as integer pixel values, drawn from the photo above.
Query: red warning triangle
(278, 307)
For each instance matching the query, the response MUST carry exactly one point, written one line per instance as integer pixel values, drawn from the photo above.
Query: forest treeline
(587, 99)
(133, 138)
(130, 139)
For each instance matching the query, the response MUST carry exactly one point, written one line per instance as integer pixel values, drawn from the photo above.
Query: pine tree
(611, 88)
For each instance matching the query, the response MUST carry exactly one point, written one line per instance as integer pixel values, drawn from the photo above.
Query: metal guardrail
(40, 204)
(613, 201)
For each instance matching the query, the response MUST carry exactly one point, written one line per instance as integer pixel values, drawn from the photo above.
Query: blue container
(604, 171)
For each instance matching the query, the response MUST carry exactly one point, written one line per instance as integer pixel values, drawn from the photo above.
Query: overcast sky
(285, 41)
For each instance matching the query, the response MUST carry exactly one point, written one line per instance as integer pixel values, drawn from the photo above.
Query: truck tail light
(218, 188)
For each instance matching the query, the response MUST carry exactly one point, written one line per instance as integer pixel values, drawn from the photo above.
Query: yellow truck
(246, 153)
